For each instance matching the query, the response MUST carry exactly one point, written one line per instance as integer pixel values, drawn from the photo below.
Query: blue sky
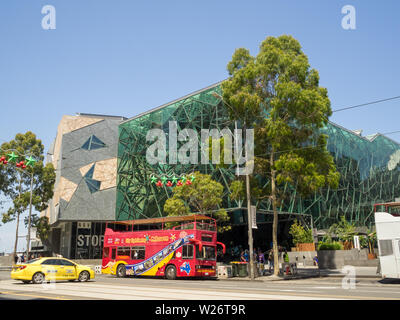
(124, 57)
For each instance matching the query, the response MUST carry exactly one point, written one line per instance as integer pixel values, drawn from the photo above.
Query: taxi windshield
(31, 261)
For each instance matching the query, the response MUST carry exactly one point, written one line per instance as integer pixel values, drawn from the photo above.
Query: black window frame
(141, 252)
(185, 251)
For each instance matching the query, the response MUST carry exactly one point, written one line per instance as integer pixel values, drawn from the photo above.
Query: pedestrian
(285, 256)
(242, 257)
(261, 262)
(271, 259)
(246, 255)
(261, 258)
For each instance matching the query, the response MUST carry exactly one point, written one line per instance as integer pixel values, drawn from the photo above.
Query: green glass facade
(366, 177)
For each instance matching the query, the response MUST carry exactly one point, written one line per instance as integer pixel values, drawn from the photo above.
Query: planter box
(305, 247)
(371, 256)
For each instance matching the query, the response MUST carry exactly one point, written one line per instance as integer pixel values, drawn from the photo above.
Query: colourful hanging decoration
(171, 181)
(164, 179)
(153, 179)
(30, 161)
(12, 157)
(21, 165)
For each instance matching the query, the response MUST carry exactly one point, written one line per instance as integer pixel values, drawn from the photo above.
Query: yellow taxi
(51, 269)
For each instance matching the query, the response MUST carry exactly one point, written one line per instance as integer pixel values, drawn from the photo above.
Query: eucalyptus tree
(27, 182)
(278, 94)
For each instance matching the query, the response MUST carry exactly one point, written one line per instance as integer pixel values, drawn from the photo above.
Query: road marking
(32, 295)
(93, 290)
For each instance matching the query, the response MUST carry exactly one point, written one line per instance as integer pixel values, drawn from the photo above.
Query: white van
(388, 235)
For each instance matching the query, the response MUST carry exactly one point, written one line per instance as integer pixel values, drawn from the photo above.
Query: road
(111, 288)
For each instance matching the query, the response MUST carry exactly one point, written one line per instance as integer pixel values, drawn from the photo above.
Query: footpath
(315, 272)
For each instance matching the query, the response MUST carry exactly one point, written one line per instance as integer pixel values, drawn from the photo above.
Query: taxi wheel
(38, 278)
(84, 276)
(121, 271)
(170, 272)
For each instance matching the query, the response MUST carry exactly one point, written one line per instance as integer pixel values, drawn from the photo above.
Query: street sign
(253, 211)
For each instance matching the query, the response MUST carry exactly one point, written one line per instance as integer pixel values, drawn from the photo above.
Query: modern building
(368, 167)
(84, 154)
(103, 175)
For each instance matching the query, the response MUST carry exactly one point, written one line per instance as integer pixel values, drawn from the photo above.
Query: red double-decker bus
(188, 249)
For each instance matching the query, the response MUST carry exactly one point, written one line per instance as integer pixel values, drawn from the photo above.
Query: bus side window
(106, 252)
(138, 252)
(113, 253)
(187, 251)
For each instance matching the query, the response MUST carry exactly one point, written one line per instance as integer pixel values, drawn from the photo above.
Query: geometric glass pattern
(93, 185)
(369, 168)
(93, 143)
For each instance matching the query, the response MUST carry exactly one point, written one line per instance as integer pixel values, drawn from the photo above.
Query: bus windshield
(207, 253)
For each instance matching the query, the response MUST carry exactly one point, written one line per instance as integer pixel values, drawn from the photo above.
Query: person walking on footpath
(271, 260)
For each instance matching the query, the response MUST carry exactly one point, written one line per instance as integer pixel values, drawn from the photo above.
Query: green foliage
(329, 245)
(278, 94)
(237, 189)
(344, 230)
(16, 183)
(300, 234)
(363, 242)
(203, 196)
(42, 226)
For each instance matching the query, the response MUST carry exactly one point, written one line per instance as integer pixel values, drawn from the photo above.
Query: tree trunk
(18, 214)
(16, 240)
(275, 221)
(250, 228)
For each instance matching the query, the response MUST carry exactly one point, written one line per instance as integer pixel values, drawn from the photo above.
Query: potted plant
(371, 237)
(345, 231)
(302, 238)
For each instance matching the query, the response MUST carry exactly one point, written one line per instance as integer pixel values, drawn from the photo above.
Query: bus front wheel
(170, 272)
(121, 271)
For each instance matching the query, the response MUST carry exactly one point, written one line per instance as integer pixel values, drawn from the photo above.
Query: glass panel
(124, 252)
(386, 247)
(67, 263)
(138, 253)
(207, 253)
(187, 251)
(93, 143)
